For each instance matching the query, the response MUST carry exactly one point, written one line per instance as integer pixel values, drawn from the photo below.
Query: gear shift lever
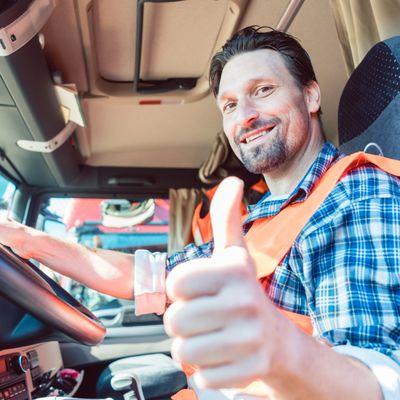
(129, 385)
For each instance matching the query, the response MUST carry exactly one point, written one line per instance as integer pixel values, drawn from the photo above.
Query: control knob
(19, 364)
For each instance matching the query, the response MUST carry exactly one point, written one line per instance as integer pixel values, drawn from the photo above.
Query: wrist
(288, 361)
(30, 242)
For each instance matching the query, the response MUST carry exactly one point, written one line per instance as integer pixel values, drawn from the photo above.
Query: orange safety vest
(201, 225)
(269, 239)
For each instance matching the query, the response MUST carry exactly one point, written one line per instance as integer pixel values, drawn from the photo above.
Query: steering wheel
(26, 285)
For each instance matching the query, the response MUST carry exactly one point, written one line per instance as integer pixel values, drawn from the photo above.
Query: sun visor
(29, 108)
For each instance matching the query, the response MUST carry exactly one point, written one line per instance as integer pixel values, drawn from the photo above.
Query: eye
(229, 107)
(262, 91)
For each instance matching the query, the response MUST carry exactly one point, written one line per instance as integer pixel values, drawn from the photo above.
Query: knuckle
(240, 271)
(262, 365)
(182, 350)
(176, 349)
(173, 319)
(205, 378)
(249, 339)
(246, 304)
(255, 336)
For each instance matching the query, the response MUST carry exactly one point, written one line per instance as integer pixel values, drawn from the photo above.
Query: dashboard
(25, 371)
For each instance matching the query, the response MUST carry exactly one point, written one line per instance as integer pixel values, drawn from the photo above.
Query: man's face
(265, 115)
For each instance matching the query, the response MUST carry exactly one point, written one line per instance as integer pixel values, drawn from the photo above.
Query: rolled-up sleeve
(385, 370)
(150, 272)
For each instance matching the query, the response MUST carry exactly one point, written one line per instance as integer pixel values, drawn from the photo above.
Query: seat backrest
(369, 108)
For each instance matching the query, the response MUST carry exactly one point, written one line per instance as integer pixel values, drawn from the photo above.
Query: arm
(238, 339)
(106, 271)
(313, 370)
(224, 323)
(354, 303)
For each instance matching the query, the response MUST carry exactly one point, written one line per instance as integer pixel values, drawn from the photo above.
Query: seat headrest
(369, 109)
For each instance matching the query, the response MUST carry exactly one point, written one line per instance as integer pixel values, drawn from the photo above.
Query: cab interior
(106, 111)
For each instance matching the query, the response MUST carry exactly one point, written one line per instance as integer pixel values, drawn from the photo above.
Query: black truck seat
(369, 109)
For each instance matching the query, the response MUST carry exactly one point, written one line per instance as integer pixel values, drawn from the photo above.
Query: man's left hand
(221, 319)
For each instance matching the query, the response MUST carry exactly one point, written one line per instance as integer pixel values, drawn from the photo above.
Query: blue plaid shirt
(344, 268)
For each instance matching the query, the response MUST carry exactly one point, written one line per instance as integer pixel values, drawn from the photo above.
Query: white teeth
(251, 138)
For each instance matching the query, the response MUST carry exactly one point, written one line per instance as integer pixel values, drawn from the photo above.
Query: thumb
(226, 214)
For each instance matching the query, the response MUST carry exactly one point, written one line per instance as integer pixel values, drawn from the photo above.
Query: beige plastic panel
(63, 45)
(123, 134)
(98, 86)
(263, 13)
(315, 27)
(178, 37)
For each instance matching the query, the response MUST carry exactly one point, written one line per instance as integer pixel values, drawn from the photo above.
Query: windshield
(7, 189)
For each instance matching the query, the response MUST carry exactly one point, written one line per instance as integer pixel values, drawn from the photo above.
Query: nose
(247, 115)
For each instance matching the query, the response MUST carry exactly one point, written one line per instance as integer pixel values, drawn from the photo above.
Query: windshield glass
(7, 189)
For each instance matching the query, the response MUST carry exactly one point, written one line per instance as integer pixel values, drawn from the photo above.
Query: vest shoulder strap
(270, 239)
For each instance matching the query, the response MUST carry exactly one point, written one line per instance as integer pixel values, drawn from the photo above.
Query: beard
(266, 157)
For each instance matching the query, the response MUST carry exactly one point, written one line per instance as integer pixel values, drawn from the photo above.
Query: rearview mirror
(119, 213)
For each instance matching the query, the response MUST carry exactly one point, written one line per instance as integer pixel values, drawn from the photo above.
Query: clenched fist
(221, 319)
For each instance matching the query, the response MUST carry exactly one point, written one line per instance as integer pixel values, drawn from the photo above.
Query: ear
(312, 95)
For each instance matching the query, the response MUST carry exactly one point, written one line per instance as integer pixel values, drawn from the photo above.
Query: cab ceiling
(97, 42)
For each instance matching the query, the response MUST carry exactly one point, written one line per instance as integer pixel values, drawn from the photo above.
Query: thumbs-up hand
(221, 318)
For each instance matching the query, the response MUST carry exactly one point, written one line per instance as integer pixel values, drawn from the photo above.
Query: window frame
(10, 179)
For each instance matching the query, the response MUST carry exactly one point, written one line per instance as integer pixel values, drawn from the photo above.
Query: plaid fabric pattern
(344, 268)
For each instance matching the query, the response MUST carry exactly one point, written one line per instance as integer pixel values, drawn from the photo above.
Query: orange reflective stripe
(185, 394)
(270, 239)
(260, 186)
(201, 227)
(188, 369)
(303, 322)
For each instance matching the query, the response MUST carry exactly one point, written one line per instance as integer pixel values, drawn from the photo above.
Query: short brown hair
(254, 37)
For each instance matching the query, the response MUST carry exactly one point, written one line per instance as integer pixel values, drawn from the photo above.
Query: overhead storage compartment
(164, 48)
(135, 47)
(29, 108)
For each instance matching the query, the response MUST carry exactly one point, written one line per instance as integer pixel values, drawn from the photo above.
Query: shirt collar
(328, 154)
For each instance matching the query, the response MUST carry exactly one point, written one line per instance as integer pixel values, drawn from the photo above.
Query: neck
(284, 179)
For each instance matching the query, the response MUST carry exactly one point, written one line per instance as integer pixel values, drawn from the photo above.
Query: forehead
(258, 65)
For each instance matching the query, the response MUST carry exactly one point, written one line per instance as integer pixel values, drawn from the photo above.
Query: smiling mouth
(257, 133)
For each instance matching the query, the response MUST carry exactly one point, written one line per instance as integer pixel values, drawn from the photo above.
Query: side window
(113, 224)
(7, 189)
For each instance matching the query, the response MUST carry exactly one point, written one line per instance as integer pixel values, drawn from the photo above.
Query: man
(342, 270)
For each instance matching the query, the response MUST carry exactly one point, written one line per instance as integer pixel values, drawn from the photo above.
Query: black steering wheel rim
(24, 284)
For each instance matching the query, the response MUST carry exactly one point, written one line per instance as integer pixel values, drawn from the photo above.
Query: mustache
(258, 124)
